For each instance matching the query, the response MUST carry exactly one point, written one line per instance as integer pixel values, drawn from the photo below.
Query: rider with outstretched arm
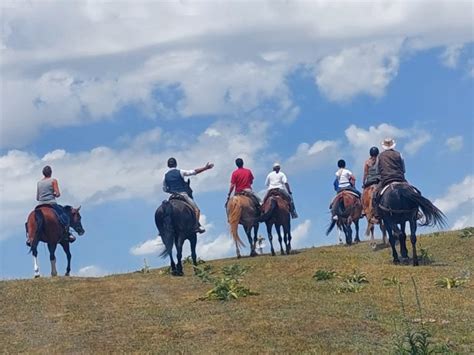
(173, 183)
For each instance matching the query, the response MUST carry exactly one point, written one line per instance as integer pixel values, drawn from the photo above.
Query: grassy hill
(291, 313)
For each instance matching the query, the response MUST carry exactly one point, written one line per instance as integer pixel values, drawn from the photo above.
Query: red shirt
(242, 178)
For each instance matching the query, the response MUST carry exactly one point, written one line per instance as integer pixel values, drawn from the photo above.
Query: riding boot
(198, 228)
(293, 211)
(68, 237)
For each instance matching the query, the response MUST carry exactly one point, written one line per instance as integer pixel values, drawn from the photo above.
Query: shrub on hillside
(322, 275)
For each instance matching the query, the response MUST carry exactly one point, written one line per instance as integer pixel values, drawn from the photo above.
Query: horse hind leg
(280, 240)
(392, 240)
(36, 265)
(179, 256)
(248, 231)
(270, 238)
(403, 241)
(67, 251)
(356, 223)
(413, 240)
(52, 258)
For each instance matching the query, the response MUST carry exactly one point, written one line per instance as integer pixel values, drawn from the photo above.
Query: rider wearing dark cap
(173, 183)
(371, 173)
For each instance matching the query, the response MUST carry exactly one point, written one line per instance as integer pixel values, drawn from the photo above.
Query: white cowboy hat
(276, 164)
(388, 143)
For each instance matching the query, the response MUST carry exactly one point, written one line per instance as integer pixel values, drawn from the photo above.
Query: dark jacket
(391, 167)
(175, 182)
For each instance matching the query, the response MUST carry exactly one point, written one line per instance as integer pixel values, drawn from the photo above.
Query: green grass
(292, 313)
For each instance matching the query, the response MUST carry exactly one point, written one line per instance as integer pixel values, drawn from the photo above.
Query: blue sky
(106, 93)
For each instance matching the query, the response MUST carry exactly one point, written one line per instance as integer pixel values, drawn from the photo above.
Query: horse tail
(265, 216)
(234, 212)
(39, 219)
(433, 215)
(168, 229)
(331, 226)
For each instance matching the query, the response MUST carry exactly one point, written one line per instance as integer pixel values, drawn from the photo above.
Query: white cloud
(376, 63)
(151, 246)
(135, 171)
(91, 271)
(215, 59)
(454, 143)
(308, 157)
(463, 222)
(457, 195)
(214, 248)
(300, 234)
(450, 56)
(417, 142)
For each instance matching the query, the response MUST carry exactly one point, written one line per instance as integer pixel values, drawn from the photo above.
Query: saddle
(250, 196)
(395, 183)
(276, 193)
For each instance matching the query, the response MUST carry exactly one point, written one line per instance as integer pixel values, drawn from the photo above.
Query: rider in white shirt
(345, 179)
(278, 180)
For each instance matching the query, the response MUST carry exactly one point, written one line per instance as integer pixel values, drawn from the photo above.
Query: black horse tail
(168, 229)
(331, 226)
(264, 217)
(39, 218)
(337, 209)
(433, 215)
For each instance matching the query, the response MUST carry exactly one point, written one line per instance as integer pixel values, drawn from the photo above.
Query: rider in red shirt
(241, 181)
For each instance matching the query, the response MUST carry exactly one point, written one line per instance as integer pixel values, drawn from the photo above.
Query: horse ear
(78, 208)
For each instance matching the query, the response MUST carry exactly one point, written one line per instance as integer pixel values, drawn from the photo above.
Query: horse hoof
(37, 276)
(356, 241)
(238, 256)
(66, 274)
(253, 253)
(273, 253)
(415, 262)
(396, 262)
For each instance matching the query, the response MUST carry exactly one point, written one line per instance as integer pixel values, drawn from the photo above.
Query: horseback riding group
(387, 200)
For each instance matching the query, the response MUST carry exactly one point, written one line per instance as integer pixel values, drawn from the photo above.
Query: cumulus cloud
(309, 157)
(454, 143)
(300, 234)
(151, 246)
(129, 173)
(91, 271)
(203, 57)
(417, 142)
(450, 56)
(457, 195)
(463, 222)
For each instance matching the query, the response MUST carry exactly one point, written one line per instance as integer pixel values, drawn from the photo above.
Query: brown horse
(347, 208)
(276, 212)
(367, 195)
(242, 210)
(43, 226)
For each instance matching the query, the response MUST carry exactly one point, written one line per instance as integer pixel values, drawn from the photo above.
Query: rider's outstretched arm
(204, 168)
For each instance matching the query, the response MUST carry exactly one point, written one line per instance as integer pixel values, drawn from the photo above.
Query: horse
(241, 209)
(367, 197)
(400, 203)
(43, 226)
(347, 208)
(276, 212)
(176, 223)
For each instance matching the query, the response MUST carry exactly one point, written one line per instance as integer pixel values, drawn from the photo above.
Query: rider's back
(46, 191)
(391, 167)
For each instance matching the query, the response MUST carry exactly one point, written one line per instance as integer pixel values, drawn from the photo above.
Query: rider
(278, 180)
(391, 167)
(173, 183)
(241, 180)
(46, 193)
(345, 179)
(371, 173)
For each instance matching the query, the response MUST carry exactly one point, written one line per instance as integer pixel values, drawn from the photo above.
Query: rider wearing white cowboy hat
(278, 180)
(391, 167)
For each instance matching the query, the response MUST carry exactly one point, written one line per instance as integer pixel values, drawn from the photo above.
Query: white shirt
(276, 180)
(343, 175)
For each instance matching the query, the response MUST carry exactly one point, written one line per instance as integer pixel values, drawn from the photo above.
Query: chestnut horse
(43, 226)
(347, 208)
(242, 210)
(367, 207)
(276, 212)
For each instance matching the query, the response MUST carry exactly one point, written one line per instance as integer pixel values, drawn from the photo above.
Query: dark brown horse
(242, 210)
(346, 209)
(43, 226)
(367, 197)
(176, 223)
(400, 203)
(276, 212)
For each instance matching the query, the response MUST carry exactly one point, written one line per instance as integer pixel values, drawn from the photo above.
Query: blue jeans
(62, 215)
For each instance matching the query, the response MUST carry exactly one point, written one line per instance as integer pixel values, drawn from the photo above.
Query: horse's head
(76, 220)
